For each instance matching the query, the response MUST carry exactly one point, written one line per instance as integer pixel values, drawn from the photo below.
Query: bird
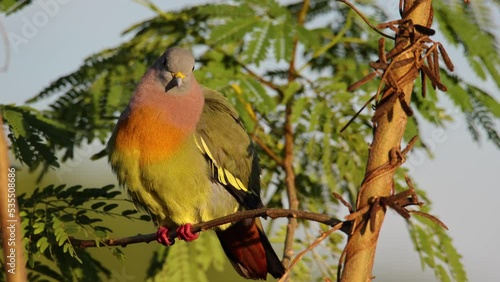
(184, 156)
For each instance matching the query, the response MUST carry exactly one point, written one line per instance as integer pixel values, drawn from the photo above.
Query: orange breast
(149, 133)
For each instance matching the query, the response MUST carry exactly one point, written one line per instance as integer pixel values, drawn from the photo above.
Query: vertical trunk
(388, 132)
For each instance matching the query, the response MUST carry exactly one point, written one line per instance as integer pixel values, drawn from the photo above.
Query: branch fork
(398, 202)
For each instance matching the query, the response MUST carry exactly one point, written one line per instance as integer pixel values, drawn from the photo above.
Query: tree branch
(291, 190)
(264, 212)
(261, 79)
(250, 72)
(268, 150)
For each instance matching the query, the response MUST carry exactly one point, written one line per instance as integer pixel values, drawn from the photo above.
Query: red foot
(162, 236)
(184, 233)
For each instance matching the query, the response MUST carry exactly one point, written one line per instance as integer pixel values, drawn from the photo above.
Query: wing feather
(228, 149)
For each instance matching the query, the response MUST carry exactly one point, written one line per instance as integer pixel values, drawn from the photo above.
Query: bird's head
(174, 70)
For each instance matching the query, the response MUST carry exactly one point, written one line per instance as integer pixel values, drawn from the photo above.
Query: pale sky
(462, 180)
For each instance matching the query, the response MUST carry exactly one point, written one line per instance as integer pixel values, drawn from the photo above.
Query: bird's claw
(184, 233)
(162, 236)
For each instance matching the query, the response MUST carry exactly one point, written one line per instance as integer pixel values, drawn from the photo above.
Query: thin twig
(267, 150)
(249, 71)
(311, 246)
(322, 264)
(364, 18)
(343, 201)
(260, 79)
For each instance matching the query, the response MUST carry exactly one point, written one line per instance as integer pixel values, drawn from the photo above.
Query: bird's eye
(164, 62)
(192, 69)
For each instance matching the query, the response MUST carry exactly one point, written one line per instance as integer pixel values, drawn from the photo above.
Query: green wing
(228, 149)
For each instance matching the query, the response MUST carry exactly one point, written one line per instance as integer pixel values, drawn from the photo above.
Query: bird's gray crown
(177, 59)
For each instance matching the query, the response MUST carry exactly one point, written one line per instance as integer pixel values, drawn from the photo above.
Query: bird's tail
(250, 252)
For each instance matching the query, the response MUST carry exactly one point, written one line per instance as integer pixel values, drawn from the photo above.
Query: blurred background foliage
(245, 50)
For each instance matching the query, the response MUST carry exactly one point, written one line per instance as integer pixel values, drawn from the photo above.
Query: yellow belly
(165, 172)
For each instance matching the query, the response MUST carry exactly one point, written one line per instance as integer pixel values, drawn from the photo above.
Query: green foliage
(184, 262)
(53, 216)
(11, 6)
(471, 29)
(479, 107)
(483, 113)
(245, 49)
(436, 250)
(35, 138)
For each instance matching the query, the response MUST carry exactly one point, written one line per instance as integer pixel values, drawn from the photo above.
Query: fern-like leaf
(256, 50)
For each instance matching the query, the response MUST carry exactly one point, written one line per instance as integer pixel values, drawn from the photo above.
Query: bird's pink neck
(182, 111)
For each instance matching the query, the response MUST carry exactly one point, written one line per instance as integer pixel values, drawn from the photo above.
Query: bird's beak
(178, 81)
(179, 76)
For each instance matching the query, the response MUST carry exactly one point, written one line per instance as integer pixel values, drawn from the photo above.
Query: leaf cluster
(35, 138)
(185, 262)
(54, 215)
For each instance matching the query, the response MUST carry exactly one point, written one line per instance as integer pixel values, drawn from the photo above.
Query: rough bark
(389, 126)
